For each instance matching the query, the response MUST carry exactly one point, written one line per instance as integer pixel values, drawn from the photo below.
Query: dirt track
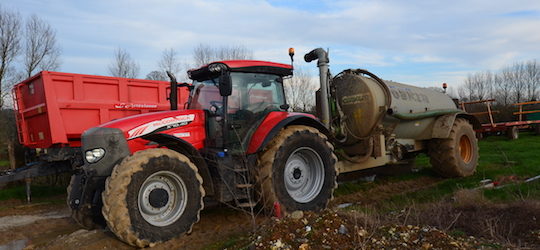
(45, 226)
(42, 226)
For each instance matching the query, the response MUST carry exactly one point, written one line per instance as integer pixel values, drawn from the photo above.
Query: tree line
(519, 82)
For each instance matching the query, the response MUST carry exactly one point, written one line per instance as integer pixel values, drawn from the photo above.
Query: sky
(423, 43)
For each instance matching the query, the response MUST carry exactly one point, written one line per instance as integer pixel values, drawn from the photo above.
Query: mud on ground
(46, 226)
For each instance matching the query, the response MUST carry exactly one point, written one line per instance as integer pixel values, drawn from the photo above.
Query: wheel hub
(297, 173)
(304, 175)
(158, 198)
(162, 198)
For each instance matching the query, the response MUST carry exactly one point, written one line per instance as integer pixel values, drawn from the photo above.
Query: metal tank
(364, 102)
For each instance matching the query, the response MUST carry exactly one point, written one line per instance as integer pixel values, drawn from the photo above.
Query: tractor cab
(237, 96)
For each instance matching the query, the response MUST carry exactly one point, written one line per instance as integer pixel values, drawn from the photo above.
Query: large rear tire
(297, 170)
(152, 196)
(456, 156)
(84, 215)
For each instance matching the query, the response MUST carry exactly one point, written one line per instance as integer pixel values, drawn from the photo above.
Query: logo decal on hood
(163, 124)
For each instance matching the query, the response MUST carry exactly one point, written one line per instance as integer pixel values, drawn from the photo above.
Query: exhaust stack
(322, 63)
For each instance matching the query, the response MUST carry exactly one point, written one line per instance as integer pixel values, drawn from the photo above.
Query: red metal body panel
(269, 122)
(54, 108)
(252, 63)
(188, 125)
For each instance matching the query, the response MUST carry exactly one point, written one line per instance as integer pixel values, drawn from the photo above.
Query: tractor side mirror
(225, 84)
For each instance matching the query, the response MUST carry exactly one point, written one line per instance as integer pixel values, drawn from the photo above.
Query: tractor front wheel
(456, 156)
(152, 196)
(297, 170)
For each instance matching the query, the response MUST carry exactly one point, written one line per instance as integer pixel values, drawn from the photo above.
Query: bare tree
(123, 65)
(300, 91)
(10, 26)
(157, 75)
(504, 86)
(204, 54)
(518, 82)
(532, 79)
(169, 61)
(41, 50)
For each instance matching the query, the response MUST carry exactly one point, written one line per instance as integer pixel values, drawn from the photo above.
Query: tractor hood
(144, 124)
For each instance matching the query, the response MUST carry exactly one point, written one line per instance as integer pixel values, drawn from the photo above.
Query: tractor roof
(249, 66)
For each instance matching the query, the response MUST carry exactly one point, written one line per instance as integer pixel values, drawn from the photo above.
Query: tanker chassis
(146, 176)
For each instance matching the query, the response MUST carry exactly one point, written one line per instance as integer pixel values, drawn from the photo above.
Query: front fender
(443, 124)
(181, 146)
(274, 122)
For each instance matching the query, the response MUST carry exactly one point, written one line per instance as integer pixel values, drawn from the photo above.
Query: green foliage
(4, 163)
(500, 158)
(19, 192)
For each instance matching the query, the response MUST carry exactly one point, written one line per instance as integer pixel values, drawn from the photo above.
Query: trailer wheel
(512, 133)
(152, 196)
(298, 170)
(84, 216)
(456, 156)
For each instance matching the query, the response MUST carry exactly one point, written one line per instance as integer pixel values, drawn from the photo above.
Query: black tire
(456, 156)
(537, 129)
(85, 216)
(127, 195)
(512, 133)
(294, 145)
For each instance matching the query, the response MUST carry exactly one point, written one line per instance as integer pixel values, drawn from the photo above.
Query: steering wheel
(216, 106)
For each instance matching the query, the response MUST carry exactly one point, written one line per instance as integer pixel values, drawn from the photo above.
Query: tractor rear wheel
(152, 196)
(297, 170)
(85, 215)
(456, 156)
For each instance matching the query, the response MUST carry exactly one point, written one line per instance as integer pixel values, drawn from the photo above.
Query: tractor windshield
(255, 92)
(205, 94)
(251, 92)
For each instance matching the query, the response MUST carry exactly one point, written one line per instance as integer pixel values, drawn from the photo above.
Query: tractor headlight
(94, 155)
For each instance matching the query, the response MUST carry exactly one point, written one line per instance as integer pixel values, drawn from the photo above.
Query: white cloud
(449, 36)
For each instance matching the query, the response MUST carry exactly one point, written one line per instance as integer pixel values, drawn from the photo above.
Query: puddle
(7, 222)
(14, 245)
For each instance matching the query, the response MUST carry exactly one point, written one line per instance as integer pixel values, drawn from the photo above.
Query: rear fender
(181, 146)
(443, 125)
(276, 121)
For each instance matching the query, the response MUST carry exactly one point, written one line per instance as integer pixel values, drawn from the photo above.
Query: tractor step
(247, 204)
(247, 185)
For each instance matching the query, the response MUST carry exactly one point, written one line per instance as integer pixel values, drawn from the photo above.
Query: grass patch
(499, 159)
(4, 163)
(19, 192)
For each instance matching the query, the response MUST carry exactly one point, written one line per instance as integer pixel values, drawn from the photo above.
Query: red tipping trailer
(53, 109)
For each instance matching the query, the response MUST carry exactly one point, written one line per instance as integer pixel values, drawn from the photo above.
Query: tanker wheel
(85, 216)
(298, 170)
(456, 156)
(512, 133)
(152, 196)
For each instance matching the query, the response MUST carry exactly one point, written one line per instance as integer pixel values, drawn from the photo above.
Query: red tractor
(146, 175)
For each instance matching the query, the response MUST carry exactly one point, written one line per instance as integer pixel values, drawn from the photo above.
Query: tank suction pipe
(322, 63)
